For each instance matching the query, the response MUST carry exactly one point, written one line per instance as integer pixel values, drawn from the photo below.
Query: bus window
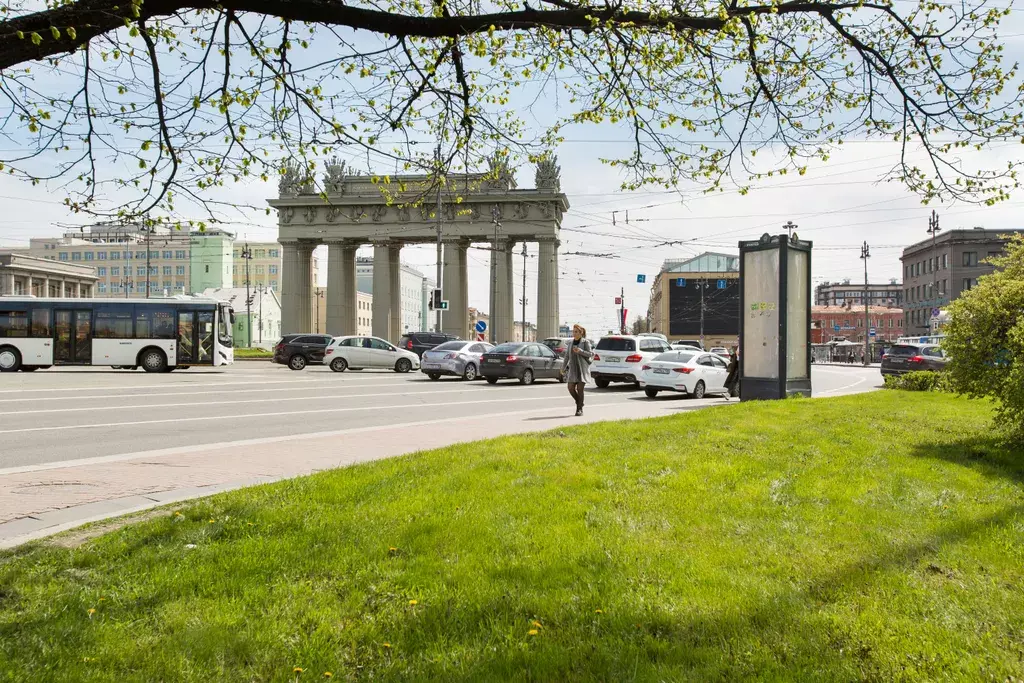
(154, 323)
(205, 324)
(113, 322)
(41, 322)
(225, 317)
(13, 323)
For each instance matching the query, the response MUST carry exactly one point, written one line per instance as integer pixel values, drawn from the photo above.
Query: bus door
(195, 337)
(72, 337)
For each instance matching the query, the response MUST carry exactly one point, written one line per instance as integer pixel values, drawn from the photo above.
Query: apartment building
(413, 299)
(364, 312)
(935, 274)
(843, 293)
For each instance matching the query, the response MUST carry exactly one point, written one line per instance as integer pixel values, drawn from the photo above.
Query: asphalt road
(69, 414)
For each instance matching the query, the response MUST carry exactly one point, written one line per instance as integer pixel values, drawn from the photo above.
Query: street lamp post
(865, 254)
(933, 230)
(790, 226)
(247, 255)
(523, 300)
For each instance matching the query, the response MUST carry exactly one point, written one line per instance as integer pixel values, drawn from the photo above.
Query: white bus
(157, 334)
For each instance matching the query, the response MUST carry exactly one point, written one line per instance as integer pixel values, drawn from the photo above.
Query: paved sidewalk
(40, 500)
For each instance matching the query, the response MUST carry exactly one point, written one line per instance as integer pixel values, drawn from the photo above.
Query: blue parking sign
(641, 279)
(680, 282)
(721, 284)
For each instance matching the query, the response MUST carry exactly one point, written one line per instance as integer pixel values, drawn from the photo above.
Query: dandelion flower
(297, 670)
(599, 611)
(532, 632)
(212, 521)
(92, 611)
(328, 674)
(413, 603)
(537, 624)
(387, 645)
(250, 524)
(177, 513)
(102, 599)
(392, 549)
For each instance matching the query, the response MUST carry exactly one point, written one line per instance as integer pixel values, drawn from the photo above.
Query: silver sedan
(458, 358)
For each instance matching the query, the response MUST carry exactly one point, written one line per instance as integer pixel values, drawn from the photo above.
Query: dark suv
(903, 358)
(298, 350)
(418, 342)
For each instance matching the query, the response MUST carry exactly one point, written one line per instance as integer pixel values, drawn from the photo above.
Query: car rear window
(506, 348)
(675, 357)
(404, 340)
(451, 346)
(904, 350)
(616, 344)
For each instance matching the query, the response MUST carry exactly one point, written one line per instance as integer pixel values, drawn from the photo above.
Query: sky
(838, 205)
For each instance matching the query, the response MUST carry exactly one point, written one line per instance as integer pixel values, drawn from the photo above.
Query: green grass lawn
(253, 353)
(873, 537)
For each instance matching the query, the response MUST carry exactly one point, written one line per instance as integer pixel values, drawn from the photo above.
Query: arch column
(341, 289)
(296, 292)
(456, 289)
(547, 289)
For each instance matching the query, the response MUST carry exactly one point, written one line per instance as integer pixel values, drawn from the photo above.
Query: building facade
(25, 275)
(698, 296)
(935, 274)
(413, 304)
(846, 323)
(842, 293)
(364, 312)
(210, 259)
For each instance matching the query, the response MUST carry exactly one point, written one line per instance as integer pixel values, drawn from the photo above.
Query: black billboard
(721, 306)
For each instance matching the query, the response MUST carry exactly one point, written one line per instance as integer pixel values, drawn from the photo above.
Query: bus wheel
(153, 360)
(10, 359)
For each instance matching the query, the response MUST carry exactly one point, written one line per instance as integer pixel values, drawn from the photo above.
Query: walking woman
(576, 365)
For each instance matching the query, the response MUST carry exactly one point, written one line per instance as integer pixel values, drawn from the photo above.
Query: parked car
(656, 335)
(299, 350)
(904, 358)
(720, 350)
(525, 362)
(459, 358)
(683, 344)
(618, 358)
(558, 344)
(418, 342)
(365, 353)
(694, 374)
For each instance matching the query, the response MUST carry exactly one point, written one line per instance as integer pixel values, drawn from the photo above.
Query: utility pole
(933, 230)
(865, 253)
(702, 284)
(523, 300)
(440, 270)
(622, 310)
(149, 234)
(262, 289)
(494, 268)
(247, 255)
(790, 226)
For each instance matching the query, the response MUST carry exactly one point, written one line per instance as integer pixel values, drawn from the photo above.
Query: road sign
(442, 306)
(618, 301)
(935, 312)
(641, 279)
(871, 333)
(837, 328)
(722, 284)
(680, 282)
(480, 326)
(480, 336)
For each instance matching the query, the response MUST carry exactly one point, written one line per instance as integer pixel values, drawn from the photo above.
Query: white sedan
(358, 353)
(692, 372)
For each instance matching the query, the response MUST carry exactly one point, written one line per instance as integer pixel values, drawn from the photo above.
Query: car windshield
(616, 344)
(509, 347)
(450, 346)
(675, 357)
(904, 350)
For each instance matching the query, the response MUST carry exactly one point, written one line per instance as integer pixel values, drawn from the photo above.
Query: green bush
(985, 339)
(253, 353)
(919, 381)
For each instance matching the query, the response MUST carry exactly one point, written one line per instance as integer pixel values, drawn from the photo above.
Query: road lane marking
(184, 450)
(28, 390)
(843, 388)
(207, 418)
(273, 399)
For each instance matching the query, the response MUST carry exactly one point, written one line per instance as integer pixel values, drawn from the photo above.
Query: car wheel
(651, 393)
(10, 359)
(297, 362)
(698, 391)
(492, 380)
(602, 383)
(469, 374)
(403, 365)
(434, 376)
(153, 360)
(526, 377)
(339, 365)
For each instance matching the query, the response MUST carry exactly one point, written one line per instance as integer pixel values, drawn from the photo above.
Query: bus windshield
(226, 318)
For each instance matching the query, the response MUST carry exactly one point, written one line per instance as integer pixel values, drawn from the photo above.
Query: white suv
(619, 358)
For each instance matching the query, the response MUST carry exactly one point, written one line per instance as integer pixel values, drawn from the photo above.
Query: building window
(994, 254)
(101, 256)
(179, 270)
(261, 253)
(154, 270)
(179, 285)
(101, 271)
(154, 254)
(259, 270)
(942, 287)
(115, 256)
(127, 255)
(88, 256)
(167, 270)
(273, 283)
(234, 270)
(115, 288)
(274, 253)
(207, 269)
(179, 254)
(970, 283)
(140, 270)
(273, 270)
(970, 258)
(102, 288)
(168, 255)
(115, 271)
(76, 256)
(167, 284)
(945, 261)
(140, 254)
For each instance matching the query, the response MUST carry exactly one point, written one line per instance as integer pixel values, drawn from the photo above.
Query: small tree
(639, 325)
(985, 339)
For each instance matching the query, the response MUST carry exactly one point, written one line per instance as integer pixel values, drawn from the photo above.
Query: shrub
(985, 339)
(919, 381)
